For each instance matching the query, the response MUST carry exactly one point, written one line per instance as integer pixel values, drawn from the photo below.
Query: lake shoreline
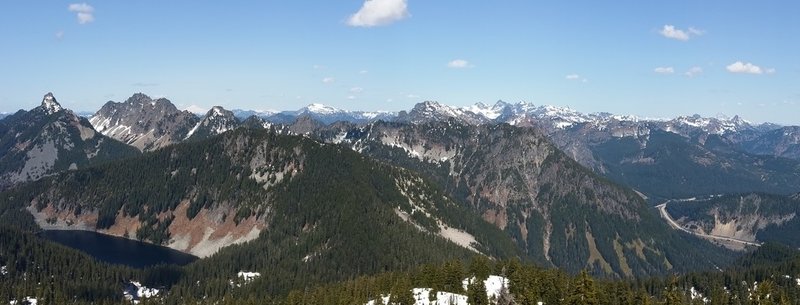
(117, 250)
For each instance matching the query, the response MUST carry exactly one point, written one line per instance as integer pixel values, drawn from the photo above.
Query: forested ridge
(335, 218)
(57, 275)
(333, 234)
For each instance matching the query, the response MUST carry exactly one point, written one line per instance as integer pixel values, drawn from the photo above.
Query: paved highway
(662, 209)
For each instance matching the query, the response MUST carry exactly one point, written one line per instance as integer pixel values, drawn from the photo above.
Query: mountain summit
(216, 121)
(49, 104)
(144, 123)
(48, 139)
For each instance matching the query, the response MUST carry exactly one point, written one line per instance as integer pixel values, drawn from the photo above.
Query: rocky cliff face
(48, 139)
(216, 121)
(752, 217)
(144, 123)
(555, 209)
(783, 142)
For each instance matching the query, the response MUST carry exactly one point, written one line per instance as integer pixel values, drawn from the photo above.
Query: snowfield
(26, 300)
(494, 285)
(135, 292)
(248, 276)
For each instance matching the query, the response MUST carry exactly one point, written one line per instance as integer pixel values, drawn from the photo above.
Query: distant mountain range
(661, 158)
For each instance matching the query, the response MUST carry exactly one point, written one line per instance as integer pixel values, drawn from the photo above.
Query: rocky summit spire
(49, 104)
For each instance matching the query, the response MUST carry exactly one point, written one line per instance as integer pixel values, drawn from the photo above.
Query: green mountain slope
(667, 165)
(49, 139)
(559, 212)
(319, 212)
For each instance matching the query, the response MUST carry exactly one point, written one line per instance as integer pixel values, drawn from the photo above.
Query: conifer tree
(479, 267)
(584, 291)
(401, 292)
(674, 296)
(476, 292)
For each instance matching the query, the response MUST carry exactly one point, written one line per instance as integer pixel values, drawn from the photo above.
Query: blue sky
(648, 58)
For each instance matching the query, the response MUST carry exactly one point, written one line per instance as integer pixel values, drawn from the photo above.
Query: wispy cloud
(664, 70)
(363, 72)
(696, 32)
(670, 31)
(379, 12)
(412, 96)
(84, 11)
(747, 68)
(328, 80)
(459, 64)
(60, 35)
(356, 90)
(694, 71)
(576, 77)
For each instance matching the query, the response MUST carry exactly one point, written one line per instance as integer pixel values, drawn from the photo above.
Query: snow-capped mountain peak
(217, 111)
(216, 121)
(489, 112)
(320, 109)
(719, 125)
(50, 105)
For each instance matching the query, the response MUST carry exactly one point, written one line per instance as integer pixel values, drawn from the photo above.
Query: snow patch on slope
(494, 286)
(458, 237)
(135, 292)
(248, 276)
(25, 300)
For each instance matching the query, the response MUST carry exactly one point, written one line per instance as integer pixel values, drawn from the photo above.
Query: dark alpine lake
(118, 250)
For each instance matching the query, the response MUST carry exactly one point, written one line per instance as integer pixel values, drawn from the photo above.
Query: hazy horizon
(628, 58)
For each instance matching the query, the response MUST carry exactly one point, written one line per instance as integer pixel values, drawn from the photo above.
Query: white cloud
(351, 97)
(696, 32)
(459, 64)
(84, 11)
(670, 31)
(770, 70)
(363, 72)
(318, 67)
(693, 71)
(748, 68)
(356, 90)
(379, 12)
(412, 96)
(328, 80)
(60, 35)
(664, 70)
(576, 77)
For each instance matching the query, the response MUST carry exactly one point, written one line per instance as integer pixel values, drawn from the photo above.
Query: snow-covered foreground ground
(494, 285)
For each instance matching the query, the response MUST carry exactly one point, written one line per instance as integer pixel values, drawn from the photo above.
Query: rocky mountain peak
(216, 121)
(138, 98)
(49, 104)
(142, 122)
(219, 111)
